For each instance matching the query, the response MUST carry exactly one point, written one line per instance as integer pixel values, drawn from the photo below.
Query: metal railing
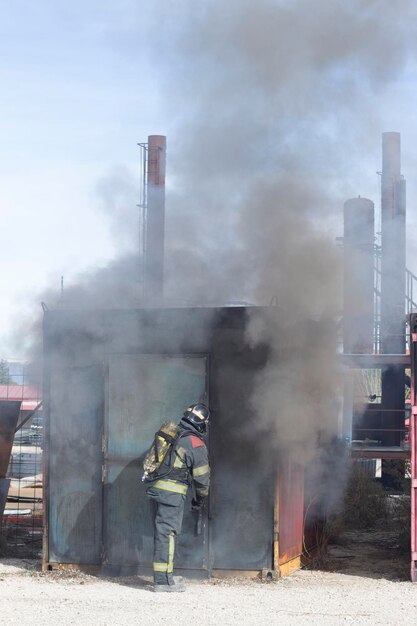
(410, 290)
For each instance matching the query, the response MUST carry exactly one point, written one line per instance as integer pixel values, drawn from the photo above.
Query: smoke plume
(272, 106)
(276, 104)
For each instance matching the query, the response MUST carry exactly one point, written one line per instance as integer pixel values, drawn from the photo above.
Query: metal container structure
(111, 379)
(393, 270)
(154, 227)
(359, 271)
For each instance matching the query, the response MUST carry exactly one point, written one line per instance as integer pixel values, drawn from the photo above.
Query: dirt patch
(374, 553)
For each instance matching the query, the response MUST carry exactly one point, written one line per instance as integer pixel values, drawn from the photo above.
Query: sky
(76, 97)
(81, 83)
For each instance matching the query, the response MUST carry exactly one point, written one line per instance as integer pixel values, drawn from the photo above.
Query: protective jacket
(187, 465)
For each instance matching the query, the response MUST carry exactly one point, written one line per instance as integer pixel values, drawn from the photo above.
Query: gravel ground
(308, 597)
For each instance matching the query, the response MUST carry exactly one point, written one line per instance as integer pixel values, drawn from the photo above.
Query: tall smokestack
(393, 212)
(155, 220)
(358, 290)
(393, 247)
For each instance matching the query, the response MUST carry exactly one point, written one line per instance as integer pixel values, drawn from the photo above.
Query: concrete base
(96, 570)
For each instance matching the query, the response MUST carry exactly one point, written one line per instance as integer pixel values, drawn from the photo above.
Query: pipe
(393, 214)
(155, 220)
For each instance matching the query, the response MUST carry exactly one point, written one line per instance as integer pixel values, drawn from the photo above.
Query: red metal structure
(413, 444)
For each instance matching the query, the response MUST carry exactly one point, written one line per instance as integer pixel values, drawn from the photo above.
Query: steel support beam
(366, 361)
(386, 453)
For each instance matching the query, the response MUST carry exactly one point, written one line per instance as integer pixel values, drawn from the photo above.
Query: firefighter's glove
(197, 504)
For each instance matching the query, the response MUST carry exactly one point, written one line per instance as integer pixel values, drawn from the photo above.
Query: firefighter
(186, 466)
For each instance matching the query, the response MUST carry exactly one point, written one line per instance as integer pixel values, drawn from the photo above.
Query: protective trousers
(168, 522)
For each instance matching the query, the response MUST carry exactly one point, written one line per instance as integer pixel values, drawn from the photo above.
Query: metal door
(142, 392)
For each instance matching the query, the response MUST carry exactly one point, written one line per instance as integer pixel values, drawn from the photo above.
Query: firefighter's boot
(175, 588)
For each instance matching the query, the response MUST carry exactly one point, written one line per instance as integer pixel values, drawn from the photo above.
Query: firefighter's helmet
(198, 416)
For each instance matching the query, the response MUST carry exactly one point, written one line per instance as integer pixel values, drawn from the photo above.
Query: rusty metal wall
(74, 487)
(291, 511)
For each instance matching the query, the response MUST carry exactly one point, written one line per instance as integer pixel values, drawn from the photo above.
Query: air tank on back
(358, 292)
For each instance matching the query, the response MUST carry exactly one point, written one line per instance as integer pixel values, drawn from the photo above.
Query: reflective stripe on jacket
(187, 463)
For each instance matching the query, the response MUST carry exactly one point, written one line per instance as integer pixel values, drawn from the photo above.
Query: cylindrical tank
(155, 220)
(358, 238)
